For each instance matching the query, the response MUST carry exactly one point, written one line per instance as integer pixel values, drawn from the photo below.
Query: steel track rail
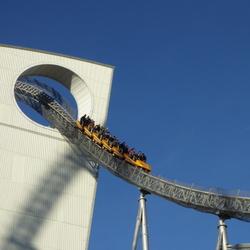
(208, 200)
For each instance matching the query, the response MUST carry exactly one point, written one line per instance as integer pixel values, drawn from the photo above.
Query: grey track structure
(232, 204)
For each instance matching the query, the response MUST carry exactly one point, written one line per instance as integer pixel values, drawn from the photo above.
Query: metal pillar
(141, 222)
(222, 243)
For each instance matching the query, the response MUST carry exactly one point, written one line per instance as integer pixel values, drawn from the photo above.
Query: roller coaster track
(232, 204)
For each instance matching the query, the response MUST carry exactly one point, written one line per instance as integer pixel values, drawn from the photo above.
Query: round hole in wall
(62, 90)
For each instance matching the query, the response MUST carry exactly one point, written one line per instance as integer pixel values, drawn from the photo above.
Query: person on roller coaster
(83, 120)
(91, 125)
(101, 132)
(106, 136)
(126, 149)
(111, 139)
(132, 154)
(115, 143)
(121, 147)
(96, 128)
(143, 157)
(139, 156)
(87, 121)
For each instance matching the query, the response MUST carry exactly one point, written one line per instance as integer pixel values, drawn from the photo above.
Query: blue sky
(180, 94)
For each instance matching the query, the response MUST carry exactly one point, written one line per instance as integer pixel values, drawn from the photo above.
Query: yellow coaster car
(105, 145)
(143, 165)
(87, 132)
(79, 125)
(138, 163)
(116, 152)
(96, 138)
(84, 129)
(128, 159)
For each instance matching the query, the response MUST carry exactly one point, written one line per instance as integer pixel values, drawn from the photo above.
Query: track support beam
(141, 222)
(222, 243)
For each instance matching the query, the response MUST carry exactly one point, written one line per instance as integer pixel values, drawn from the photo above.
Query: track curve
(232, 204)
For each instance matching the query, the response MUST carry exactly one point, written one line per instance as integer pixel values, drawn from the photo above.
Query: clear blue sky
(180, 94)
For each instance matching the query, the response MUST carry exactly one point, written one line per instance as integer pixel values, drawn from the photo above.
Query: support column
(141, 222)
(222, 243)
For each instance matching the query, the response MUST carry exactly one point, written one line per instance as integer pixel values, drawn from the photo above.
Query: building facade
(47, 192)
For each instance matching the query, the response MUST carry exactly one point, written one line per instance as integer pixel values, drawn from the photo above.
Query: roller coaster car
(106, 146)
(78, 125)
(87, 132)
(138, 163)
(96, 139)
(84, 129)
(113, 150)
(128, 159)
(116, 152)
(143, 165)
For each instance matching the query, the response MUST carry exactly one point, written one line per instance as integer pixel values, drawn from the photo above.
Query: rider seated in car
(132, 154)
(121, 147)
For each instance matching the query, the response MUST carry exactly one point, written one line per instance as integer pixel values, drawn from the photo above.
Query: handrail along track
(208, 200)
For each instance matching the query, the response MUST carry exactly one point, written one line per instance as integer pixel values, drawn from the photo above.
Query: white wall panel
(49, 235)
(11, 196)
(72, 237)
(46, 192)
(7, 224)
(5, 95)
(18, 166)
(5, 163)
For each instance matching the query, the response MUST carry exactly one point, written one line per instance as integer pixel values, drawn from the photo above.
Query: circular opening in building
(52, 87)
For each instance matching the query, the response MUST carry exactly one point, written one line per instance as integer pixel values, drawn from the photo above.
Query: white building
(47, 194)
